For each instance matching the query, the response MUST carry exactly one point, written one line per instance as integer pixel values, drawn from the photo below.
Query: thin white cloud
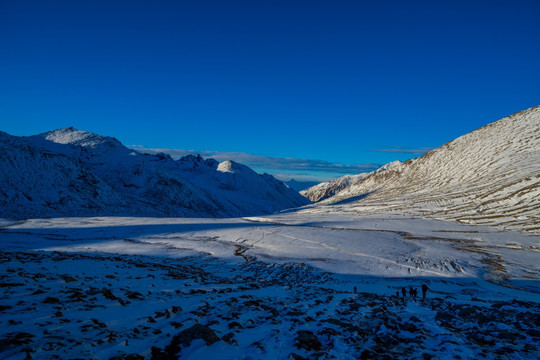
(407, 150)
(282, 168)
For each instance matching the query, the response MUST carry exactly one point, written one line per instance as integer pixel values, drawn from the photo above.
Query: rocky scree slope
(490, 176)
(69, 172)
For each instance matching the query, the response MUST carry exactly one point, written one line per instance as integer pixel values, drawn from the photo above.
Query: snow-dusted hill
(71, 172)
(328, 189)
(490, 176)
(38, 182)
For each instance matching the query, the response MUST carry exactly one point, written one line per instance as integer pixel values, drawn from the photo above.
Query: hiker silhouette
(424, 291)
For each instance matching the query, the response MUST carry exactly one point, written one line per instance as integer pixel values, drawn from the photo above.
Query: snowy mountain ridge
(69, 172)
(82, 138)
(490, 176)
(330, 188)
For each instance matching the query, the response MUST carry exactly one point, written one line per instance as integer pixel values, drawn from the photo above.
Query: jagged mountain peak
(196, 161)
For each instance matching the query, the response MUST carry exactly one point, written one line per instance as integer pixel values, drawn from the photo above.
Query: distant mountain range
(328, 189)
(68, 172)
(490, 176)
(300, 185)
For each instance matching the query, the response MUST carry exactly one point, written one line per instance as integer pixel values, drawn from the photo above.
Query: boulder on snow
(306, 340)
(184, 339)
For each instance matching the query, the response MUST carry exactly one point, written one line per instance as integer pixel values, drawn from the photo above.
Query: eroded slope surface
(490, 176)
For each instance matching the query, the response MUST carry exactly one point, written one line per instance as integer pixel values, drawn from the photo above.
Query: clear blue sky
(335, 81)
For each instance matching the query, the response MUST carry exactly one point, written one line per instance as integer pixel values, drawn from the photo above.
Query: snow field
(266, 288)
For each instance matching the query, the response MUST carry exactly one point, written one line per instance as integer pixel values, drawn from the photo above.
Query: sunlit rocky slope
(490, 176)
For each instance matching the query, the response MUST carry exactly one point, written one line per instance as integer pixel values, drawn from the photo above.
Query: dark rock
(386, 340)
(51, 300)
(329, 332)
(68, 279)
(235, 325)
(252, 303)
(482, 340)
(321, 355)
(505, 351)
(410, 327)
(337, 322)
(468, 312)
(184, 339)
(368, 355)
(165, 313)
(13, 340)
(109, 295)
(126, 357)
(133, 295)
(99, 323)
(507, 335)
(295, 312)
(444, 318)
(229, 339)
(259, 345)
(306, 340)
(176, 324)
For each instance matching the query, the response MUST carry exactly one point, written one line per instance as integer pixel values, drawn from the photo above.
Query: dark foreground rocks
(142, 307)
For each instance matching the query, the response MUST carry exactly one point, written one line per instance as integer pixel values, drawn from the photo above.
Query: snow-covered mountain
(490, 176)
(300, 185)
(72, 172)
(330, 188)
(38, 182)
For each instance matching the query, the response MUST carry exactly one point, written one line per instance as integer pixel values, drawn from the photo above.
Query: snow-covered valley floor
(273, 287)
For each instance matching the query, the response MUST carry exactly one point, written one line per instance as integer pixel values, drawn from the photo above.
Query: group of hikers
(413, 293)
